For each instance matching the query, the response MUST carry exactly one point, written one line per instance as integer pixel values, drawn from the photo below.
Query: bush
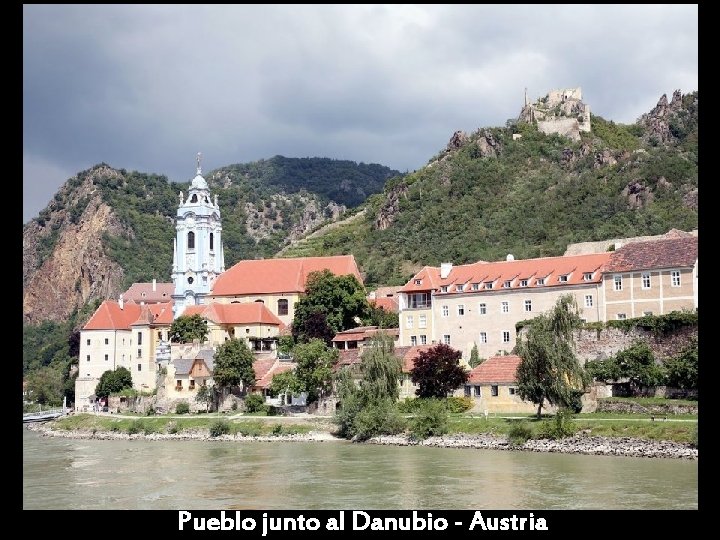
(378, 419)
(519, 433)
(255, 403)
(459, 404)
(150, 411)
(408, 405)
(430, 420)
(136, 426)
(559, 427)
(277, 429)
(221, 427)
(172, 428)
(182, 408)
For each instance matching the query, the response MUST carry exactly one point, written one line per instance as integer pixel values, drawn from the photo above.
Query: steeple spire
(199, 159)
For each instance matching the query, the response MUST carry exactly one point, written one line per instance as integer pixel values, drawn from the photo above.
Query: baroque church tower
(198, 257)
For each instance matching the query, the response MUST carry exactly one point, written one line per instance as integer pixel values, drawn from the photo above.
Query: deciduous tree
(437, 372)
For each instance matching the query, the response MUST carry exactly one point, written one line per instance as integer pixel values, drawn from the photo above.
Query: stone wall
(602, 344)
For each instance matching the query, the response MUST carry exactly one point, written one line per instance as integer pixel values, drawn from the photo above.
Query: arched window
(261, 301)
(282, 306)
(212, 241)
(191, 240)
(193, 198)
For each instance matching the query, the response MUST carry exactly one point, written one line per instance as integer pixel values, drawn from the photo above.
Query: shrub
(378, 419)
(221, 427)
(249, 430)
(430, 420)
(255, 403)
(519, 433)
(277, 429)
(135, 427)
(459, 404)
(150, 411)
(172, 428)
(182, 408)
(559, 427)
(408, 405)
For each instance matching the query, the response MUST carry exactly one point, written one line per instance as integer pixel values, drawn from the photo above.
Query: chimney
(154, 285)
(121, 302)
(445, 269)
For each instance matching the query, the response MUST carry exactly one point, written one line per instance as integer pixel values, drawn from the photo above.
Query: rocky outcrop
(488, 145)
(603, 159)
(64, 264)
(391, 207)
(458, 139)
(658, 121)
(637, 194)
(690, 199)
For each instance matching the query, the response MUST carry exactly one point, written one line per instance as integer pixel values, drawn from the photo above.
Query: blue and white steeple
(198, 257)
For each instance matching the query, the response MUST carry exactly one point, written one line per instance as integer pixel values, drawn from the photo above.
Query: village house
(480, 303)
(121, 334)
(277, 283)
(361, 336)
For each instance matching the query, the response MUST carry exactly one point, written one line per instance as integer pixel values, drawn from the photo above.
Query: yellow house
(277, 283)
(651, 278)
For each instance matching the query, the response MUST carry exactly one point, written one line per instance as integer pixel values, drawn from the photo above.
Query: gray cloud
(146, 87)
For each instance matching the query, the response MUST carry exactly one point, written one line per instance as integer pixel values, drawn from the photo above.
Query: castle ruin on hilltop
(560, 111)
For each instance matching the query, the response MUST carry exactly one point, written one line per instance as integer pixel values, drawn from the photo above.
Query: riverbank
(580, 444)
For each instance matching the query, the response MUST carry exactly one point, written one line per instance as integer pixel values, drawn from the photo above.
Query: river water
(93, 474)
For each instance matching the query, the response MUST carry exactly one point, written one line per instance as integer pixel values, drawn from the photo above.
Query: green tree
(314, 367)
(682, 370)
(45, 386)
(341, 299)
(437, 372)
(382, 318)
(205, 395)
(637, 362)
(549, 370)
(113, 381)
(381, 370)
(186, 328)
(284, 383)
(475, 359)
(233, 364)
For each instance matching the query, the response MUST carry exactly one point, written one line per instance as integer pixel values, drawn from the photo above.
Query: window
(618, 283)
(587, 276)
(260, 301)
(477, 391)
(423, 339)
(475, 286)
(409, 321)
(461, 310)
(482, 309)
(483, 337)
(588, 300)
(159, 334)
(488, 285)
(523, 282)
(178, 385)
(646, 281)
(422, 321)
(506, 336)
(192, 385)
(540, 281)
(413, 340)
(87, 342)
(191, 240)
(459, 288)
(419, 300)
(446, 339)
(467, 390)
(139, 338)
(505, 307)
(621, 316)
(528, 305)
(647, 313)
(139, 367)
(87, 357)
(107, 341)
(190, 280)
(494, 390)
(675, 276)
(212, 241)
(445, 311)
(443, 288)
(139, 355)
(418, 282)
(512, 391)
(107, 358)
(563, 278)
(506, 285)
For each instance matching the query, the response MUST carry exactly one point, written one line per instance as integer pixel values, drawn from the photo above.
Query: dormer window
(444, 288)
(563, 278)
(540, 281)
(523, 282)
(587, 276)
(488, 284)
(459, 288)
(418, 282)
(506, 285)
(475, 286)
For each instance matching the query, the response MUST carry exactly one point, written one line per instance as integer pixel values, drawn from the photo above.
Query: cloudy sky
(146, 87)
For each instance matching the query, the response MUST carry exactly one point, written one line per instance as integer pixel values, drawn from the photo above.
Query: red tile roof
(550, 268)
(143, 292)
(388, 304)
(109, 316)
(407, 355)
(679, 252)
(279, 275)
(242, 313)
(266, 369)
(497, 369)
(362, 333)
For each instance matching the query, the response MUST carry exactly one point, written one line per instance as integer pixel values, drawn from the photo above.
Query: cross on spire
(199, 159)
